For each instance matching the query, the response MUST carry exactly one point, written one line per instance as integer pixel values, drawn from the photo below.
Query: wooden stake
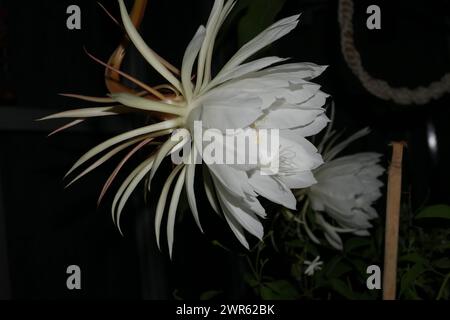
(392, 222)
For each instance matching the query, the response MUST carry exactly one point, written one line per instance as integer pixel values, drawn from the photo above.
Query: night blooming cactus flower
(345, 191)
(243, 98)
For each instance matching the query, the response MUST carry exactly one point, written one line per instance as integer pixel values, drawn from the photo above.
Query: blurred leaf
(443, 263)
(411, 294)
(260, 14)
(295, 244)
(218, 244)
(339, 270)
(408, 279)
(279, 290)
(443, 247)
(250, 279)
(334, 267)
(341, 287)
(208, 295)
(438, 211)
(176, 295)
(356, 243)
(443, 293)
(360, 265)
(296, 270)
(413, 257)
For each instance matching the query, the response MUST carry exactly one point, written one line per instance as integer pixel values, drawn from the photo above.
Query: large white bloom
(249, 95)
(346, 189)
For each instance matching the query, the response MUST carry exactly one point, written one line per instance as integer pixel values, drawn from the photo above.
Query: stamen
(127, 76)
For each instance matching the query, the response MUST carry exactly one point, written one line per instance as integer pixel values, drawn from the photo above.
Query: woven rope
(377, 87)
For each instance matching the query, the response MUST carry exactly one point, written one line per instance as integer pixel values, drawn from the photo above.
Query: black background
(49, 228)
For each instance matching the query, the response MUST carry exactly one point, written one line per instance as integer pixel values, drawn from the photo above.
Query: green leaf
(360, 265)
(296, 270)
(251, 281)
(176, 295)
(279, 290)
(333, 269)
(356, 243)
(443, 263)
(411, 294)
(441, 211)
(408, 279)
(341, 287)
(208, 295)
(339, 270)
(295, 243)
(260, 15)
(413, 257)
(443, 247)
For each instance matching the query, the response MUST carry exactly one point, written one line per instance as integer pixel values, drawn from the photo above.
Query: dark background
(44, 228)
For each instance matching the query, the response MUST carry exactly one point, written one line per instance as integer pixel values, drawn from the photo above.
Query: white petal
(247, 219)
(313, 128)
(371, 212)
(298, 94)
(140, 103)
(173, 209)
(334, 240)
(226, 10)
(188, 61)
(317, 203)
(142, 47)
(330, 234)
(272, 189)
(362, 233)
(163, 151)
(339, 187)
(265, 38)
(126, 183)
(245, 69)
(299, 180)
(190, 176)
(213, 20)
(162, 202)
(157, 129)
(184, 137)
(237, 229)
(303, 70)
(256, 207)
(317, 101)
(209, 190)
(234, 181)
(287, 118)
(226, 118)
(300, 154)
(341, 146)
(129, 190)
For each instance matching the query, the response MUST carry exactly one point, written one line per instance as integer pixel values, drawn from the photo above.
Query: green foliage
(276, 266)
(208, 295)
(205, 296)
(279, 290)
(423, 263)
(438, 211)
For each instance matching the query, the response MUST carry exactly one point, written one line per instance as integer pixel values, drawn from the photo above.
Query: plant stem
(441, 290)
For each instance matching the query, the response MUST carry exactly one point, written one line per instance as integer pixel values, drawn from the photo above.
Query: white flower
(243, 95)
(313, 266)
(345, 190)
